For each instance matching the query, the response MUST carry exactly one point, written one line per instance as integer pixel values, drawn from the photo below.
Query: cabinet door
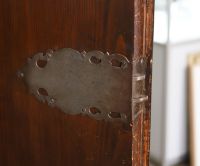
(31, 132)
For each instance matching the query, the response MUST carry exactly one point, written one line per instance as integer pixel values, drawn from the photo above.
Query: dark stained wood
(143, 44)
(31, 133)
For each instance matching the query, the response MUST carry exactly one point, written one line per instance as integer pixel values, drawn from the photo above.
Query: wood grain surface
(33, 134)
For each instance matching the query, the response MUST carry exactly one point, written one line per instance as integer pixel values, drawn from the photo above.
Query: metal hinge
(100, 85)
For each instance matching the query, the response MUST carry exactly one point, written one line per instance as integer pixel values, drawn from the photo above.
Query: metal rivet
(20, 74)
(49, 54)
(151, 61)
(51, 101)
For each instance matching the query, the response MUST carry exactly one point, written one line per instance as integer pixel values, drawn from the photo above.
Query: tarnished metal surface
(93, 83)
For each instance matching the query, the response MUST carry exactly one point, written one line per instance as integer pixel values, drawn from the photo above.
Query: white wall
(169, 142)
(158, 102)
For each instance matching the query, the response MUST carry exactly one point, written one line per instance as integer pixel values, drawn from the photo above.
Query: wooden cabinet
(31, 132)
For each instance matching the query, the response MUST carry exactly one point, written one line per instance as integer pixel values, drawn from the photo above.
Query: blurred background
(176, 37)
